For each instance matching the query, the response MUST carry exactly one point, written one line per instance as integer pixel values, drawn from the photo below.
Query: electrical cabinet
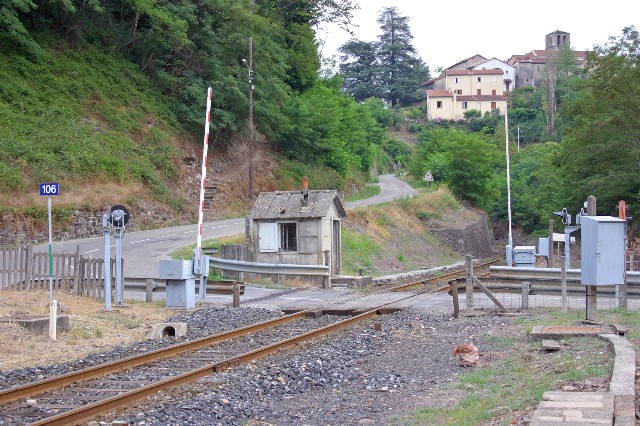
(524, 256)
(181, 283)
(603, 250)
(176, 269)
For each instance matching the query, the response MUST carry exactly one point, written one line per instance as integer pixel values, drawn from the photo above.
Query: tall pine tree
(389, 69)
(401, 69)
(360, 68)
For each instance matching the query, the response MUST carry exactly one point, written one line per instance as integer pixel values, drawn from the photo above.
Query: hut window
(288, 237)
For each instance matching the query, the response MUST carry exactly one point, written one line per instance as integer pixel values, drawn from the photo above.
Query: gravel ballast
(360, 376)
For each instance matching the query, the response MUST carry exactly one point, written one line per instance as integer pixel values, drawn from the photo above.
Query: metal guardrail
(157, 285)
(549, 274)
(269, 268)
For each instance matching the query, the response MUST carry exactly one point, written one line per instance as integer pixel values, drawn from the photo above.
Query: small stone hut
(298, 227)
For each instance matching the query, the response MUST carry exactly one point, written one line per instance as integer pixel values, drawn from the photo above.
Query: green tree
(390, 68)
(327, 127)
(12, 30)
(359, 66)
(526, 113)
(401, 69)
(536, 186)
(464, 161)
(601, 150)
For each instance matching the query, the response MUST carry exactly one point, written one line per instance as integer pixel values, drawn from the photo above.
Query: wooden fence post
(454, 296)
(29, 267)
(525, 294)
(76, 277)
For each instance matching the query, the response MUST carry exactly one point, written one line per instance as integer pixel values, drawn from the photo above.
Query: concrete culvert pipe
(169, 331)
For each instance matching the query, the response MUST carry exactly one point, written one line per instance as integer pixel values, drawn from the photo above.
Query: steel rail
(41, 386)
(99, 407)
(441, 277)
(12, 394)
(35, 388)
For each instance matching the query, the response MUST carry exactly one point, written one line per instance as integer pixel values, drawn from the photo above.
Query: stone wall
(17, 229)
(474, 239)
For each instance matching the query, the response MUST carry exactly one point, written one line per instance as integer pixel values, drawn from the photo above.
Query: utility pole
(251, 136)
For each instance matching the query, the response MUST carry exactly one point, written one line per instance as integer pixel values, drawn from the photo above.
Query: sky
(444, 33)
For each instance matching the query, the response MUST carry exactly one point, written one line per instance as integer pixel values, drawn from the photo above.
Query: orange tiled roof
(481, 98)
(494, 71)
(439, 94)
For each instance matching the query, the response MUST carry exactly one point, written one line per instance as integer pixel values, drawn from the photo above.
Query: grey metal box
(181, 294)
(603, 250)
(524, 256)
(543, 246)
(176, 269)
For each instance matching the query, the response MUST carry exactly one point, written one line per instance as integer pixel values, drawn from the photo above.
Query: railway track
(440, 282)
(80, 395)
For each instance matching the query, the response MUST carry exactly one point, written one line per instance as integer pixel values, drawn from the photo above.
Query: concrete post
(624, 287)
(236, 295)
(53, 320)
(550, 258)
(469, 283)
(592, 290)
(149, 290)
(525, 294)
(563, 284)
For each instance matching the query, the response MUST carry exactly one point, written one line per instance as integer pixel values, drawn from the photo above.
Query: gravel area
(361, 376)
(203, 322)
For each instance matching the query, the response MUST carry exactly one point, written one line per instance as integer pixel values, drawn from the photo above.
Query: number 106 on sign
(51, 188)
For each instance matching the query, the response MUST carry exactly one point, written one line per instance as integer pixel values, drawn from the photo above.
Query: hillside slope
(430, 229)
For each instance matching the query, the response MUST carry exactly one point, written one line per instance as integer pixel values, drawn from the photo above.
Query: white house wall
(509, 71)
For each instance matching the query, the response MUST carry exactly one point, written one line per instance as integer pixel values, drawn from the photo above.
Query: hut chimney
(305, 192)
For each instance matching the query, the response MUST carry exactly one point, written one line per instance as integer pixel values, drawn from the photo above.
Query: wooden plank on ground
(489, 294)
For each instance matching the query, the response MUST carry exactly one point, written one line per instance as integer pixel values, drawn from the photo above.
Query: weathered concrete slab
(550, 345)
(540, 332)
(39, 325)
(167, 329)
(578, 408)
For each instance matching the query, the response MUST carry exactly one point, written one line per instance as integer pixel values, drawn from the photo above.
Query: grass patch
(367, 192)
(109, 124)
(358, 251)
(516, 382)
(186, 252)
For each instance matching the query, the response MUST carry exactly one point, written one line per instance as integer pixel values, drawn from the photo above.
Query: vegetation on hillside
(112, 90)
(592, 150)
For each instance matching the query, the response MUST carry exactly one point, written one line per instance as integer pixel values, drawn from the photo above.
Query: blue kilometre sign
(49, 189)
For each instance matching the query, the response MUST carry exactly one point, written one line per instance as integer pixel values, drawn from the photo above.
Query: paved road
(391, 188)
(143, 250)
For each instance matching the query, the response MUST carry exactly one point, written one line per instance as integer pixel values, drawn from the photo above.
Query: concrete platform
(39, 325)
(616, 407)
(539, 332)
(574, 408)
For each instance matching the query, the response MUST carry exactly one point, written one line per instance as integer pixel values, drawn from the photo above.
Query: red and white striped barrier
(203, 179)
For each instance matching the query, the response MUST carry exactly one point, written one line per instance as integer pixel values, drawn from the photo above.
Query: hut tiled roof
(291, 204)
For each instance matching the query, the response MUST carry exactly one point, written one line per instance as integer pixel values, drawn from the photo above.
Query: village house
(479, 89)
(530, 67)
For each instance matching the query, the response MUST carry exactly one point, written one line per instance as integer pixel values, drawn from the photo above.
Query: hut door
(335, 248)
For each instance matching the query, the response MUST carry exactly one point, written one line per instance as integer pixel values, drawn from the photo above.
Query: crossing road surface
(143, 250)
(391, 188)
